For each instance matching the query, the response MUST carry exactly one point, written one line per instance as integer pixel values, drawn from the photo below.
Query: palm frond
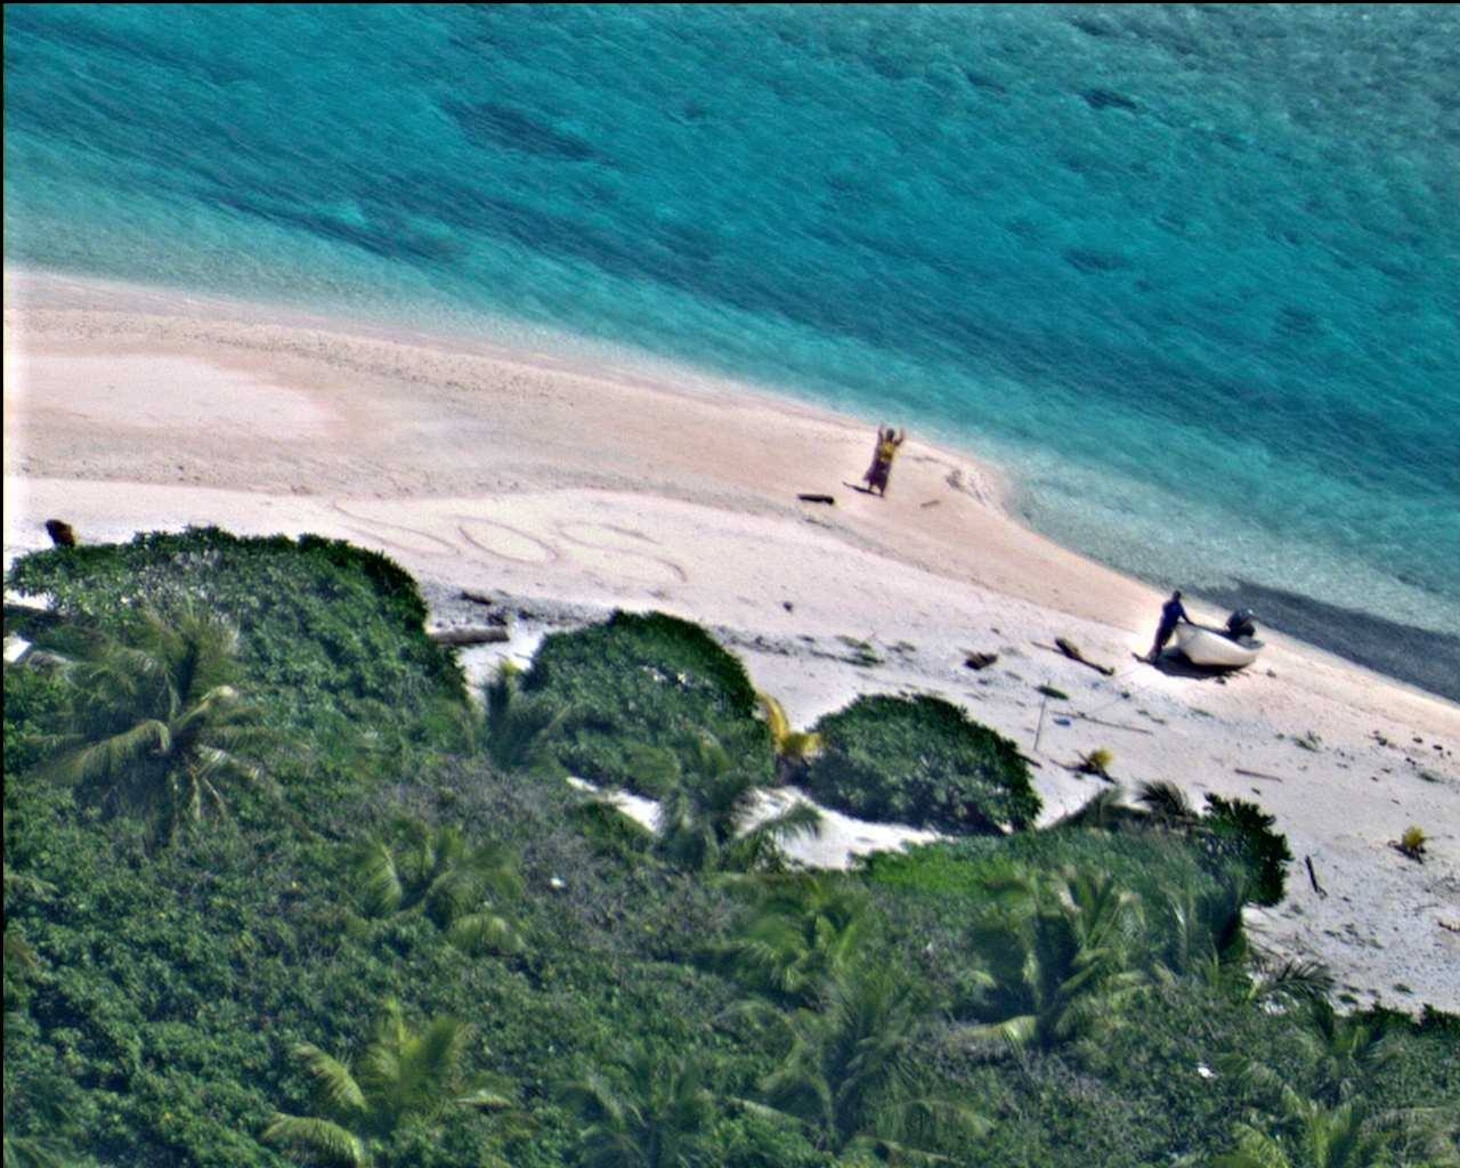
(479, 933)
(317, 1139)
(377, 881)
(105, 759)
(335, 1087)
(1103, 810)
(1166, 802)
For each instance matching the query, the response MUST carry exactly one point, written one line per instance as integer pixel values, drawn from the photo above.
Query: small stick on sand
(1112, 725)
(1313, 876)
(1257, 775)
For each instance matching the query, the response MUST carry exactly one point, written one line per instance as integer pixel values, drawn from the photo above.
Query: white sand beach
(563, 490)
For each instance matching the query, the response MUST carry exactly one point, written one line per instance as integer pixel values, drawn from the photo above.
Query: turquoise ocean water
(1190, 274)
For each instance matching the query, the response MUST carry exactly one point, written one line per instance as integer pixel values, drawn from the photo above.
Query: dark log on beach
(1257, 775)
(476, 597)
(979, 660)
(830, 500)
(1072, 651)
(62, 534)
(470, 635)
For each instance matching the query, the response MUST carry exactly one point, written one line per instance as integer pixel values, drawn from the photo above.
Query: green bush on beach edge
(921, 761)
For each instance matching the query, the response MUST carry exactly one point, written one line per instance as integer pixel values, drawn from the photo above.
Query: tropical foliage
(416, 868)
(405, 1078)
(921, 761)
(646, 682)
(669, 998)
(158, 725)
(1060, 953)
(646, 1110)
(851, 1073)
(707, 818)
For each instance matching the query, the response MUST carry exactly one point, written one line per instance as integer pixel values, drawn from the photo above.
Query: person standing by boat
(886, 450)
(1172, 614)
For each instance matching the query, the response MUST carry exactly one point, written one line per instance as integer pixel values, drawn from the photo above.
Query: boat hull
(1214, 650)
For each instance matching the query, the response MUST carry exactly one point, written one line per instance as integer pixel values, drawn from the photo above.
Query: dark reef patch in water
(1099, 99)
(1088, 259)
(1422, 657)
(486, 123)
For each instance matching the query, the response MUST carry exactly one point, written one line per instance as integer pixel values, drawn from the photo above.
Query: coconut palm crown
(404, 1078)
(159, 723)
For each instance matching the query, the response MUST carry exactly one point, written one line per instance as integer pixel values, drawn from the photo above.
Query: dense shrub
(317, 617)
(921, 761)
(642, 691)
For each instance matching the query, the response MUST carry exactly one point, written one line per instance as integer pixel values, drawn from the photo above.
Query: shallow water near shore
(1188, 274)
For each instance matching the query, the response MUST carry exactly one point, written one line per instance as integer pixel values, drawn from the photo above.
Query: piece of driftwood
(1451, 927)
(470, 635)
(1072, 651)
(979, 660)
(477, 597)
(1257, 775)
(1313, 877)
(829, 500)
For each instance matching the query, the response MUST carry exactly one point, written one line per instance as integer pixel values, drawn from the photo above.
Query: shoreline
(547, 481)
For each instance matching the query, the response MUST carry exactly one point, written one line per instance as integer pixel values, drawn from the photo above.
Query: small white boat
(1214, 649)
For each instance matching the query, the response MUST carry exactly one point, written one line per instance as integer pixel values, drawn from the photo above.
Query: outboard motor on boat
(1241, 624)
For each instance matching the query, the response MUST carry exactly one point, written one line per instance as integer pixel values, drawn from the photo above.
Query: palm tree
(1343, 1052)
(405, 1078)
(1315, 1137)
(518, 728)
(794, 748)
(415, 868)
(704, 821)
(1167, 805)
(1060, 956)
(851, 1073)
(158, 721)
(1205, 937)
(39, 1104)
(806, 931)
(647, 1111)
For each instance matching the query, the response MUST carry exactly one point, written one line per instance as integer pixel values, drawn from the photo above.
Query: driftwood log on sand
(470, 635)
(1072, 651)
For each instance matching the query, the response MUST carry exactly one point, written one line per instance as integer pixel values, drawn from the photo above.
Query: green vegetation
(406, 1084)
(643, 693)
(409, 943)
(417, 868)
(921, 761)
(157, 722)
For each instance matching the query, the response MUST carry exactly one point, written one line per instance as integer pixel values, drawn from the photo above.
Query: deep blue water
(1191, 274)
